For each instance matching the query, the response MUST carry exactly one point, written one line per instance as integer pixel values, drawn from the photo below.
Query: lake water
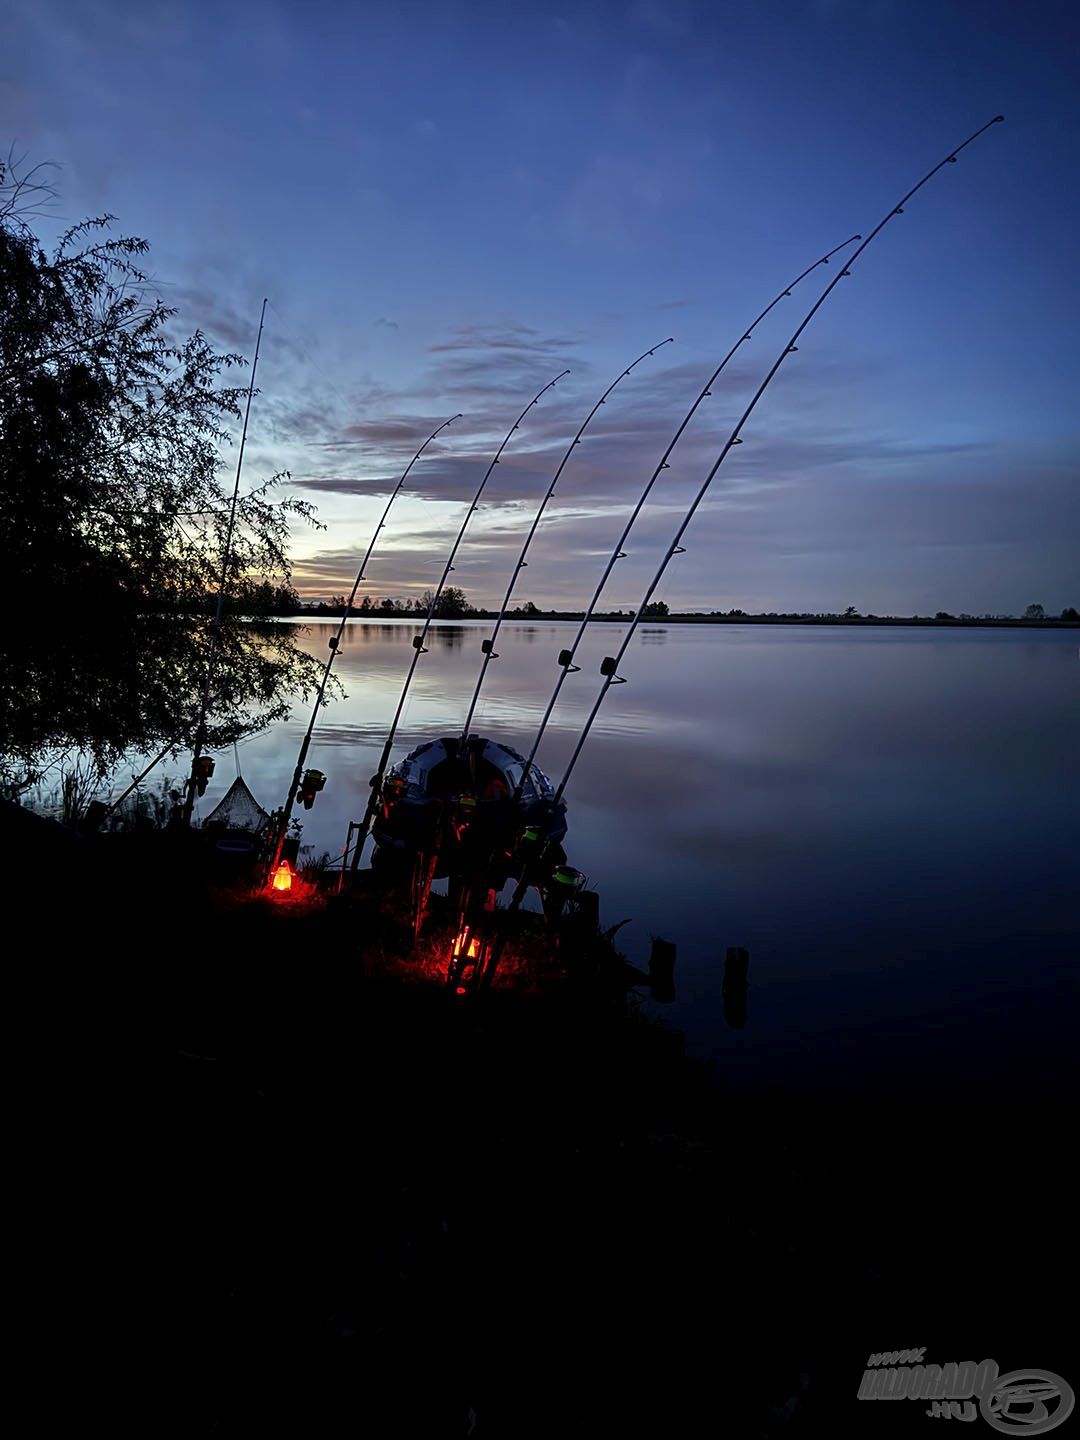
(888, 819)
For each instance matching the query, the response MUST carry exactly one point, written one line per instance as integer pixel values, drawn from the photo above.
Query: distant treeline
(453, 605)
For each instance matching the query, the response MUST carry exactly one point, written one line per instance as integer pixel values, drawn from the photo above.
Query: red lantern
(281, 883)
(463, 942)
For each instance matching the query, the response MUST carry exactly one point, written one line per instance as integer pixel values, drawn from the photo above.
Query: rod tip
(997, 119)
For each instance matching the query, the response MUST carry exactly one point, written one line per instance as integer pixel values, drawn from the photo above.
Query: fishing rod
(334, 644)
(418, 640)
(200, 730)
(488, 645)
(609, 666)
(136, 780)
(566, 657)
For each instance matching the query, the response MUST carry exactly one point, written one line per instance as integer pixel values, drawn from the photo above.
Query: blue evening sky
(448, 203)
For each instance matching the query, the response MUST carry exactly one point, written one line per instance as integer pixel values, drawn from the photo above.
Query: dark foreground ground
(280, 1185)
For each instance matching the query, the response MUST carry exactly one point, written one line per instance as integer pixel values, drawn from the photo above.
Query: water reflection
(387, 633)
(885, 819)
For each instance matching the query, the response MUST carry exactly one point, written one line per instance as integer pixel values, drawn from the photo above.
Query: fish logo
(1027, 1402)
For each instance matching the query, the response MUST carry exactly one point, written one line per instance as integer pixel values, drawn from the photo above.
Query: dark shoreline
(304, 1183)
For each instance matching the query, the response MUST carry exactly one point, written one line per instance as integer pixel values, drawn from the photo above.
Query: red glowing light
(283, 878)
(471, 947)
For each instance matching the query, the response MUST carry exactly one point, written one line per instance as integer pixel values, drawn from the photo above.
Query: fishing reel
(560, 890)
(312, 783)
(202, 771)
(529, 843)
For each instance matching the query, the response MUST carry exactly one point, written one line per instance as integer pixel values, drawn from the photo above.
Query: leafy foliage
(114, 513)
(453, 603)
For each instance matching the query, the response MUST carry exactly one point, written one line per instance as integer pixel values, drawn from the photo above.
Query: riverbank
(325, 1195)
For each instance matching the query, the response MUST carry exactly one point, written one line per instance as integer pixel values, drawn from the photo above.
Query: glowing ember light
(463, 943)
(283, 878)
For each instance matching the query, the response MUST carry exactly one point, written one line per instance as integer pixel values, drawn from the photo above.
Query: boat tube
(462, 801)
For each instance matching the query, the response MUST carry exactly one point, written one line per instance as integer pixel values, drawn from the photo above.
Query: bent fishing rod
(335, 643)
(215, 632)
(136, 780)
(566, 657)
(418, 640)
(609, 666)
(488, 645)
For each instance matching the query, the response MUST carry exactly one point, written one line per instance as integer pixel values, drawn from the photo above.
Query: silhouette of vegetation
(1034, 612)
(113, 511)
(453, 604)
(657, 610)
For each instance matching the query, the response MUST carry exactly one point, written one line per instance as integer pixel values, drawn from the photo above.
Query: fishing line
(609, 666)
(418, 640)
(566, 657)
(335, 642)
(488, 645)
(215, 633)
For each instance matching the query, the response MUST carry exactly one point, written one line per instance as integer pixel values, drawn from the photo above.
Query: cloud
(396, 430)
(225, 323)
(828, 502)
(514, 336)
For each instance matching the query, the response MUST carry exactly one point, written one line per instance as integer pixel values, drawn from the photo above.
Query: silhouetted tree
(1034, 612)
(1069, 613)
(453, 603)
(850, 612)
(113, 513)
(656, 610)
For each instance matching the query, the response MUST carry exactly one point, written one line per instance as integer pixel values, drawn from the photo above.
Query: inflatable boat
(463, 803)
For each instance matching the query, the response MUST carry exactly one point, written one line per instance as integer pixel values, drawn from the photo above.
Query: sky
(449, 203)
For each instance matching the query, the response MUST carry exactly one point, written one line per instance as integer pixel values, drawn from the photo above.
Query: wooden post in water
(736, 964)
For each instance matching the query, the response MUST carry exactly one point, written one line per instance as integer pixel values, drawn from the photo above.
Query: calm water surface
(887, 819)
